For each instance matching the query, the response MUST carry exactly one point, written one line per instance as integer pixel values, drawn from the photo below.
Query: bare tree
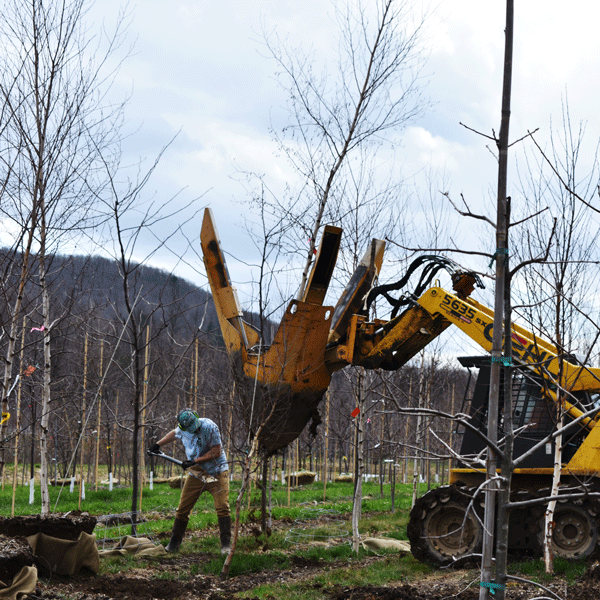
(501, 354)
(132, 216)
(336, 120)
(337, 124)
(57, 121)
(563, 283)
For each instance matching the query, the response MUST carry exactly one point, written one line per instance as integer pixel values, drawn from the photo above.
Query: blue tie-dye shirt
(200, 442)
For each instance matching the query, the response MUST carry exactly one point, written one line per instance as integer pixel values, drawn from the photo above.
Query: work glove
(186, 464)
(154, 449)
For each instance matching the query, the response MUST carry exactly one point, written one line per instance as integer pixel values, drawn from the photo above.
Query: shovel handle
(166, 457)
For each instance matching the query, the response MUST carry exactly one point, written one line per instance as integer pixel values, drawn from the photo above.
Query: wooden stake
(143, 427)
(427, 463)
(17, 427)
(82, 438)
(229, 427)
(116, 430)
(405, 468)
(99, 419)
(249, 481)
(290, 462)
(194, 379)
(451, 441)
(196, 366)
(325, 453)
(170, 465)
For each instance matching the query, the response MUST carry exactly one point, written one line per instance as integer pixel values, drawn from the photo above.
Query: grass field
(306, 522)
(158, 505)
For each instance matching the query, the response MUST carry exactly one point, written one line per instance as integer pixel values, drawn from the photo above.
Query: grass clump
(245, 563)
(390, 570)
(535, 569)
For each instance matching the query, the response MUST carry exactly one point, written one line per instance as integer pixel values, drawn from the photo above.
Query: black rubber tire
(575, 532)
(438, 530)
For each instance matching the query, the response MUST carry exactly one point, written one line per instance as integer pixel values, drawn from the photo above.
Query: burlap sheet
(66, 557)
(139, 546)
(22, 584)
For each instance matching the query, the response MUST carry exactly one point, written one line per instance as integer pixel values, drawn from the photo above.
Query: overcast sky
(200, 68)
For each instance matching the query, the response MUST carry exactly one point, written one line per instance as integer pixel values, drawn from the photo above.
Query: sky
(200, 71)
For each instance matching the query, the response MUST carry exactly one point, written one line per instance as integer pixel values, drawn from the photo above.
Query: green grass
(117, 564)
(163, 500)
(571, 570)
(334, 561)
(390, 569)
(256, 552)
(158, 506)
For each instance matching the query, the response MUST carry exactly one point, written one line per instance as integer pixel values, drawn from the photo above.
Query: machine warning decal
(519, 339)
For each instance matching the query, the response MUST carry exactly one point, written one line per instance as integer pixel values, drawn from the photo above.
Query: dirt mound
(64, 527)
(406, 592)
(141, 589)
(169, 578)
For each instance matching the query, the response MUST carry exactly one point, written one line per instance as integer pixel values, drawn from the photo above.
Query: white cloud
(201, 68)
(433, 151)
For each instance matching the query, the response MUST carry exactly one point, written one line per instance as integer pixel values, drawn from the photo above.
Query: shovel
(206, 478)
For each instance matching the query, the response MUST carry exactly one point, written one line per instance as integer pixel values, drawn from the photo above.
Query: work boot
(225, 534)
(176, 535)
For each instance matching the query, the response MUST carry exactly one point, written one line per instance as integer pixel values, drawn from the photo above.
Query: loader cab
(533, 416)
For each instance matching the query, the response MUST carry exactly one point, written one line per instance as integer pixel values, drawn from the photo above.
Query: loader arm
(236, 333)
(391, 344)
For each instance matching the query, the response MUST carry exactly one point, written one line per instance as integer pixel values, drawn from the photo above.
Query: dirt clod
(14, 555)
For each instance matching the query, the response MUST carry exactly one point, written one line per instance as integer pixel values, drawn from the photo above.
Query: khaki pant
(194, 486)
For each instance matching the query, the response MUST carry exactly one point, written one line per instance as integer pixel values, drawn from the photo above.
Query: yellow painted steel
(282, 383)
(297, 354)
(352, 299)
(456, 474)
(587, 458)
(477, 320)
(400, 340)
(319, 278)
(236, 333)
(313, 341)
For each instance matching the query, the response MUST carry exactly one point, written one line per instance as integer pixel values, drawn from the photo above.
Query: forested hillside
(111, 369)
(96, 369)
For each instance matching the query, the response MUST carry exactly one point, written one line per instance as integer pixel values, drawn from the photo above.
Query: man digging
(207, 471)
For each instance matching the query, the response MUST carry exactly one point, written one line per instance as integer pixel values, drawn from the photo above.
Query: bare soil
(158, 578)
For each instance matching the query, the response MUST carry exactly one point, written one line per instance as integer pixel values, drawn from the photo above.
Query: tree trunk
(135, 481)
(549, 514)
(45, 420)
(326, 445)
(558, 442)
(264, 494)
(502, 318)
(47, 371)
(358, 466)
(12, 337)
(419, 433)
(246, 472)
